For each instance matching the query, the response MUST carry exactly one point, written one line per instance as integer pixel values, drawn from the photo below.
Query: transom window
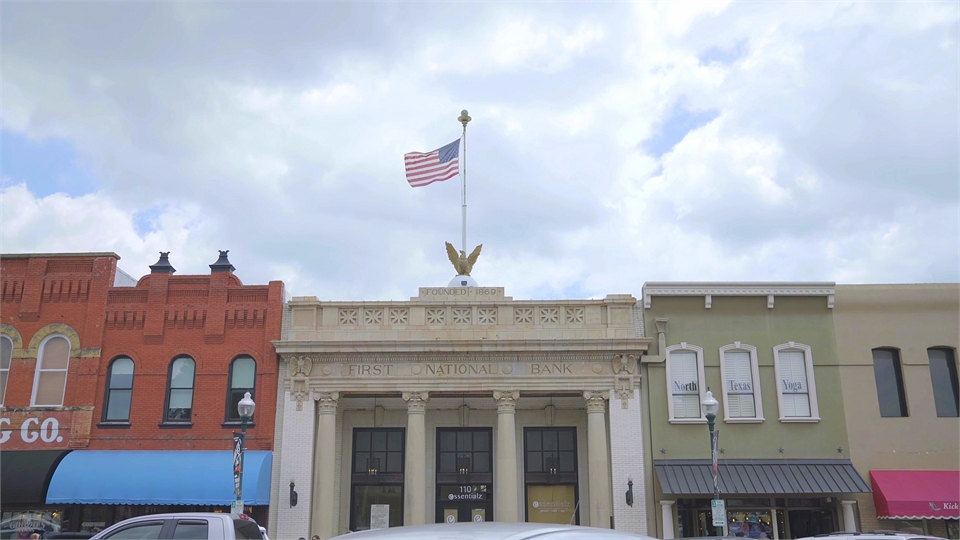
(116, 404)
(796, 387)
(943, 375)
(464, 452)
(180, 390)
(51, 379)
(6, 354)
(685, 380)
(552, 451)
(243, 372)
(741, 383)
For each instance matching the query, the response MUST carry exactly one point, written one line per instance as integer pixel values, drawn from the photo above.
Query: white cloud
(835, 123)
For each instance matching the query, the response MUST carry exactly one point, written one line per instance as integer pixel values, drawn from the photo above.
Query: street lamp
(710, 409)
(245, 408)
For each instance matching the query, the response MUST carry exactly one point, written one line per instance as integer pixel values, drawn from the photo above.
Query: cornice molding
(769, 289)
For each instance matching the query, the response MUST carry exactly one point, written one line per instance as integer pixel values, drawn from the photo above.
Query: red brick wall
(212, 318)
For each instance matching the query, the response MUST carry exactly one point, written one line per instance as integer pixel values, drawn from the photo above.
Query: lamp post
(245, 407)
(710, 409)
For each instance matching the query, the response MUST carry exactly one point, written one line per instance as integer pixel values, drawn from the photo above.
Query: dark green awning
(760, 476)
(25, 475)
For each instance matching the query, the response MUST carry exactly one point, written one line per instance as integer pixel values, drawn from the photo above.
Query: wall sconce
(293, 495)
(630, 492)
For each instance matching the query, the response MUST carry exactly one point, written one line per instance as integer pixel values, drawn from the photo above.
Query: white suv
(872, 535)
(193, 525)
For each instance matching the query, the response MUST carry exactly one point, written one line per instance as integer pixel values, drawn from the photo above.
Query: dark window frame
(231, 414)
(167, 422)
(951, 364)
(471, 475)
(109, 389)
(386, 477)
(878, 372)
(563, 475)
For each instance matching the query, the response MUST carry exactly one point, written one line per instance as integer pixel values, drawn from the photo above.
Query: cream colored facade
(909, 319)
(451, 358)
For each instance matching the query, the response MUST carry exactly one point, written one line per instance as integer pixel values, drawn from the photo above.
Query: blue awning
(195, 477)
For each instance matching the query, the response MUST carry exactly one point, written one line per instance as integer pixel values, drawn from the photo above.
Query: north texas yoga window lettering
(793, 386)
(685, 387)
(734, 386)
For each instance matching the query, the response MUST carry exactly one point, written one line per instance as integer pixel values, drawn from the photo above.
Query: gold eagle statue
(461, 262)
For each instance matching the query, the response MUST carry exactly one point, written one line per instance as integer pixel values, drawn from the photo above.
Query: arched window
(6, 353)
(243, 371)
(180, 390)
(740, 373)
(116, 404)
(796, 385)
(50, 381)
(686, 385)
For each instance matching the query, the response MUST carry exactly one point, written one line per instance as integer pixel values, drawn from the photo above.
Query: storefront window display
(750, 524)
(17, 523)
(759, 517)
(953, 529)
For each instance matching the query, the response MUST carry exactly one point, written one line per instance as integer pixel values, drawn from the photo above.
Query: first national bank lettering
(478, 369)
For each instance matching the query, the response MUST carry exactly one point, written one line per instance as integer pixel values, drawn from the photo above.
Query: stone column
(415, 469)
(326, 467)
(849, 516)
(506, 488)
(666, 512)
(598, 458)
(296, 464)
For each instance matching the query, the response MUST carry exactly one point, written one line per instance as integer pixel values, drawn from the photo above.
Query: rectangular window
(890, 394)
(793, 384)
(377, 479)
(684, 386)
(943, 375)
(739, 385)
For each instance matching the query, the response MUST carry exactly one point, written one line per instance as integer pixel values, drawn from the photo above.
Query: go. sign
(31, 430)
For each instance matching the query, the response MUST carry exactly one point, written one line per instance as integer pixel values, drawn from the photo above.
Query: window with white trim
(741, 383)
(796, 387)
(6, 355)
(685, 381)
(50, 381)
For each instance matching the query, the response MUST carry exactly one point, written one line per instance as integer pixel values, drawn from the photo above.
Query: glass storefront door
(464, 475)
(376, 495)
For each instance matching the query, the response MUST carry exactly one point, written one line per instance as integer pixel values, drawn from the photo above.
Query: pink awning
(916, 494)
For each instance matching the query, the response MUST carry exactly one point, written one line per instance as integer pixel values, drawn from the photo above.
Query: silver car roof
(492, 530)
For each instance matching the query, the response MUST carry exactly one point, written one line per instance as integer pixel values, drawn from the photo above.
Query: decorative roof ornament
(222, 264)
(163, 266)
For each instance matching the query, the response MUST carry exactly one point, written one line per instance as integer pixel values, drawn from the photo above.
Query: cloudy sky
(612, 143)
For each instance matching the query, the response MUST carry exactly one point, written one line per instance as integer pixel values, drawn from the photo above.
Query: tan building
(460, 404)
(898, 371)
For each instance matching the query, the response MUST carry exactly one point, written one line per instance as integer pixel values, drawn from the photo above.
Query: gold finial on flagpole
(464, 118)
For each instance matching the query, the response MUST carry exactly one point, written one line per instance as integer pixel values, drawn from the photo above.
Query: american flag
(424, 168)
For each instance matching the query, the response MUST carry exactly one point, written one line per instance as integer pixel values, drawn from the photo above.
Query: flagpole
(464, 118)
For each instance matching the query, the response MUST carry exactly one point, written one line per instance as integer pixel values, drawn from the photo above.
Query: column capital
(327, 402)
(506, 400)
(848, 503)
(596, 400)
(416, 401)
(667, 504)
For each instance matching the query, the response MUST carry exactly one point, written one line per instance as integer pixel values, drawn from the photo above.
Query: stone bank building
(461, 404)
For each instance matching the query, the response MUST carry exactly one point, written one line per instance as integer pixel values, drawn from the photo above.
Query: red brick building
(119, 397)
